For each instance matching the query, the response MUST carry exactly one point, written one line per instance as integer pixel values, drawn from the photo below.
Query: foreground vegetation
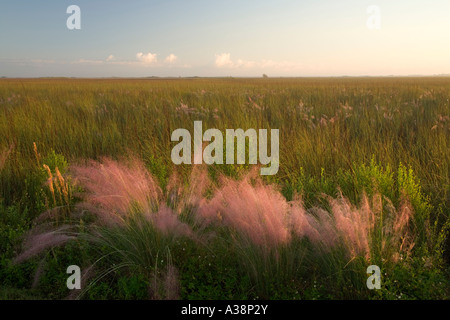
(363, 180)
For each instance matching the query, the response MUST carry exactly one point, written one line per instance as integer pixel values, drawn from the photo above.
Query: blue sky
(224, 38)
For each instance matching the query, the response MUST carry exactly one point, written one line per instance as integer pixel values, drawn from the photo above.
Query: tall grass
(274, 241)
(363, 177)
(324, 123)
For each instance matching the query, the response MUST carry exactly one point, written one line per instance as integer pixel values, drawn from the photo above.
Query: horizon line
(236, 77)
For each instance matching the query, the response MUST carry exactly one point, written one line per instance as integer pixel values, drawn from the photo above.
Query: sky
(239, 38)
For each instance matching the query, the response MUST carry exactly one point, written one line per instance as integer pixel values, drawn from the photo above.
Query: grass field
(363, 180)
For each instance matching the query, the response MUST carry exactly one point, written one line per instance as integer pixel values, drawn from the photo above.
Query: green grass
(347, 135)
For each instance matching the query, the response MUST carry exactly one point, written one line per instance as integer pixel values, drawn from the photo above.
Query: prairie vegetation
(87, 180)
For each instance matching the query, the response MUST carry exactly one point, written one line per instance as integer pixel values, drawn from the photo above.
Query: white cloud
(223, 60)
(88, 61)
(171, 58)
(245, 64)
(41, 61)
(148, 58)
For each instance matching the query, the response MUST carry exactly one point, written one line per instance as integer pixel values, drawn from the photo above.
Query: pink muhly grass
(165, 285)
(188, 196)
(315, 224)
(402, 218)
(166, 221)
(34, 244)
(116, 188)
(355, 225)
(38, 273)
(259, 212)
(198, 183)
(117, 191)
(174, 190)
(171, 283)
(398, 236)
